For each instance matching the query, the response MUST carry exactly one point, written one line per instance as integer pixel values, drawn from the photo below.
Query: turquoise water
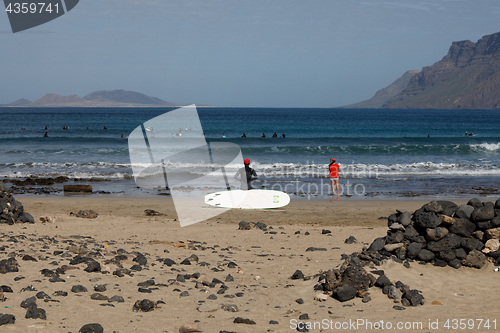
(390, 152)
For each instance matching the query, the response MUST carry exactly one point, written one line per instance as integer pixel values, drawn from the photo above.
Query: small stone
(100, 288)
(345, 293)
(475, 259)
(493, 233)
(116, 299)
(98, 297)
(273, 322)
(9, 266)
(351, 240)
(144, 305)
(87, 214)
(297, 275)
(239, 320)
(184, 294)
(299, 301)
(7, 319)
(91, 328)
(35, 313)
(392, 247)
(230, 307)
(398, 307)
(79, 289)
(190, 328)
(323, 232)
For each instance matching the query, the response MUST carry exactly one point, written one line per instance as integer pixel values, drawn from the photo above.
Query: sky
(237, 53)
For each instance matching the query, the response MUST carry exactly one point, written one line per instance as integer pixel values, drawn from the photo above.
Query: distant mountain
(19, 102)
(385, 94)
(57, 100)
(111, 97)
(101, 98)
(468, 77)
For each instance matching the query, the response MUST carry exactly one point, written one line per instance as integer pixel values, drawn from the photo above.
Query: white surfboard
(252, 199)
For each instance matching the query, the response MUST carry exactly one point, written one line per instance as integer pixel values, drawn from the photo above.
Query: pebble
(190, 328)
(239, 320)
(91, 328)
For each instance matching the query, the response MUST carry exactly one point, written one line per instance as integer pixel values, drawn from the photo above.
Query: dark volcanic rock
(345, 293)
(455, 263)
(78, 289)
(482, 214)
(35, 313)
(9, 266)
(413, 249)
(91, 328)
(463, 228)
(450, 242)
(435, 234)
(475, 202)
(447, 255)
(244, 226)
(351, 240)
(297, 275)
(414, 297)
(150, 212)
(141, 259)
(239, 320)
(472, 244)
(29, 302)
(7, 319)
(426, 219)
(475, 259)
(93, 266)
(377, 245)
(357, 277)
(145, 305)
(425, 255)
(383, 281)
(410, 232)
(433, 207)
(448, 208)
(395, 237)
(464, 212)
(405, 219)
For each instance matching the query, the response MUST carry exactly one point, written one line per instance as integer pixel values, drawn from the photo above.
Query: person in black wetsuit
(275, 135)
(246, 175)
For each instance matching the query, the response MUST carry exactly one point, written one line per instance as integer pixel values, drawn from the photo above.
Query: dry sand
(265, 263)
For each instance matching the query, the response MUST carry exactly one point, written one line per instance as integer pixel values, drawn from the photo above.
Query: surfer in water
(246, 175)
(334, 177)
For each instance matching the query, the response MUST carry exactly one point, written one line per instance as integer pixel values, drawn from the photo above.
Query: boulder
(404, 219)
(435, 234)
(475, 202)
(450, 242)
(426, 219)
(497, 204)
(446, 255)
(495, 222)
(448, 208)
(491, 245)
(7, 318)
(345, 293)
(357, 277)
(462, 228)
(425, 255)
(472, 244)
(413, 250)
(377, 245)
(395, 237)
(433, 207)
(464, 212)
(484, 213)
(475, 259)
(410, 232)
(490, 233)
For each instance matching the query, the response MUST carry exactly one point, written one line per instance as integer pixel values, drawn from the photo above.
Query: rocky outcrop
(468, 77)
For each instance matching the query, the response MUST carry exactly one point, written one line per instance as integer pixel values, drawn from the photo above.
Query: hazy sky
(277, 53)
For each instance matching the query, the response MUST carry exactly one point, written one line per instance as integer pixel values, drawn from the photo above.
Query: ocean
(383, 154)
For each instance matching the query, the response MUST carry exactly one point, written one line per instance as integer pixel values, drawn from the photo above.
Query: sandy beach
(261, 288)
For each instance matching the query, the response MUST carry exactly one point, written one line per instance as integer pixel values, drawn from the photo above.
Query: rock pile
(11, 210)
(443, 234)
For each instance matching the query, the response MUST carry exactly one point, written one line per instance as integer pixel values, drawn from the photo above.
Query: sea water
(382, 153)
